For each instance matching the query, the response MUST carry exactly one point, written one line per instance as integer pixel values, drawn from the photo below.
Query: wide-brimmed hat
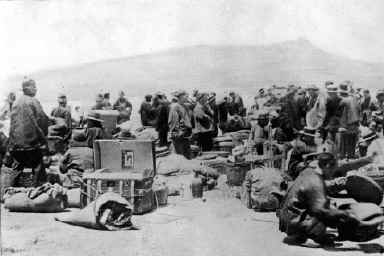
(179, 93)
(343, 88)
(332, 88)
(95, 117)
(27, 82)
(61, 96)
(380, 93)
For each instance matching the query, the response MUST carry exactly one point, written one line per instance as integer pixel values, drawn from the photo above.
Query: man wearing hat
(5, 111)
(28, 131)
(124, 107)
(62, 111)
(379, 104)
(147, 112)
(331, 122)
(215, 110)
(289, 115)
(236, 105)
(366, 108)
(180, 125)
(204, 125)
(161, 109)
(378, 107)
(306, 211)
(313, 94)
(76, 161)
(99, 105)
(349, 123)
(106, 102)
(94, 130)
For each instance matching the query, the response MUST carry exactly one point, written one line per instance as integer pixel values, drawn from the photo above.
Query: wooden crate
(132, 187)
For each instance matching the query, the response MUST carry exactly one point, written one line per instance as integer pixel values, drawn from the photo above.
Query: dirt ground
(216, 227)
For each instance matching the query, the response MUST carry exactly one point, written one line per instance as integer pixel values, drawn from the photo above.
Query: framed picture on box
(127, 159)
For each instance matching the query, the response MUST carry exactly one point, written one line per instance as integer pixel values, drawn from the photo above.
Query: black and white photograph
(191, 127)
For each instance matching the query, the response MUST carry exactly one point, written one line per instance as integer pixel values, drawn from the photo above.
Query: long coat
(29, 124)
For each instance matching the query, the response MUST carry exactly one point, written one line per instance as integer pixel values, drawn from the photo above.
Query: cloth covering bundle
(45, 198)
(262, 189)
(109, 211)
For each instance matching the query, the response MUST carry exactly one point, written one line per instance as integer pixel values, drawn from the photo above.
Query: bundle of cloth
(177, 164)
(109, 211)
(58, 128)
(45, 198)
(263, 189)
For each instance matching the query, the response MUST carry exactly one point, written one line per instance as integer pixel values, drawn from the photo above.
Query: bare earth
(215, 227)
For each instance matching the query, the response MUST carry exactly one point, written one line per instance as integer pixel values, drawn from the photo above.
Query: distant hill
(242, 68)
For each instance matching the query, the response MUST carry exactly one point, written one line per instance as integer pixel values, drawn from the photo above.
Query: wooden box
(129, 156)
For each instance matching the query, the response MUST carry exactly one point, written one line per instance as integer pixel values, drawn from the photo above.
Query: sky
(39, 35)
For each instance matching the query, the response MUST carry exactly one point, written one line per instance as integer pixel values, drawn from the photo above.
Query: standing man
(145, 111)
(236, 105)
(5, 112)
(27, 137)
(289, 115)
(180, 125)
(331, 122)
(161, 104)
(349, 122)
(366, 105)
(62, 111)
(203, 115)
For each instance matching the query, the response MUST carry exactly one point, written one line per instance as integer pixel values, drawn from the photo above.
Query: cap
(27, 82)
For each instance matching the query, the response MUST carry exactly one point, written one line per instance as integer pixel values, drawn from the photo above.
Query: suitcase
(132, 187)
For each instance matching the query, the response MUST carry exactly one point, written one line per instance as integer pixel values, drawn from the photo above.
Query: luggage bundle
(261, 189)
(46, 198)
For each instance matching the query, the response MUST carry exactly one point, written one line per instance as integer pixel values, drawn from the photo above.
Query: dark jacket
(65, 114)
(146, 114)
(79, 158)
(29, 124)
(307, 198)
(162, 117)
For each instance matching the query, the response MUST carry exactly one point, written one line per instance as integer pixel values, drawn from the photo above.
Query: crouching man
(75, 162)
(305, 211)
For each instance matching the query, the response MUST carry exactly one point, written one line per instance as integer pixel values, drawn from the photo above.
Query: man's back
(29, 124)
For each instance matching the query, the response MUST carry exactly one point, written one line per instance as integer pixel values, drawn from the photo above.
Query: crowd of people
(333, 121)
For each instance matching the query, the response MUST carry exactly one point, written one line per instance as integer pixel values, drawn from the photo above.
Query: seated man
(305, 211)
(75, 162)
